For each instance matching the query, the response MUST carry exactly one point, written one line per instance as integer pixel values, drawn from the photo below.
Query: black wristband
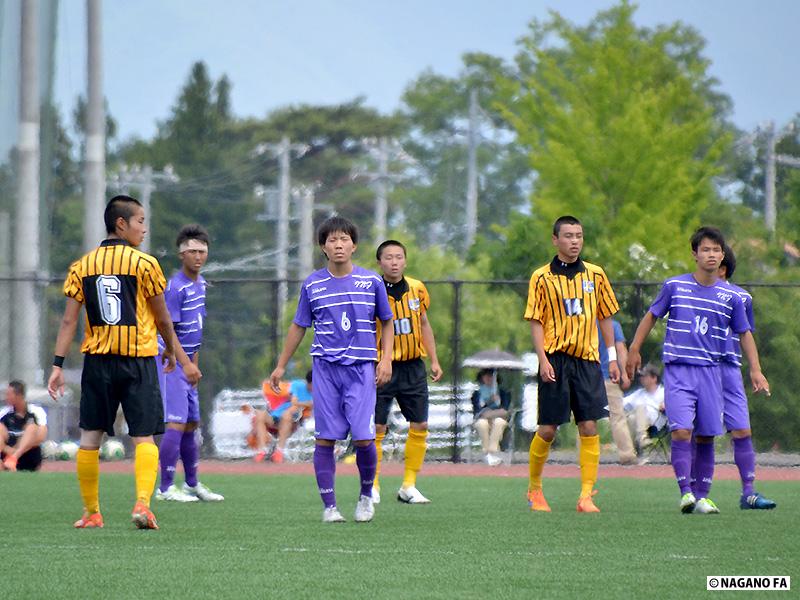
(58, 361)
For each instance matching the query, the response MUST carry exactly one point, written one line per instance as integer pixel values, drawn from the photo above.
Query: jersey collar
(569, 270)
(396, 290)
(114, 242)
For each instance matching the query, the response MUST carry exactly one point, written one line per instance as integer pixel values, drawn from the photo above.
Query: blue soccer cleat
(756, 501)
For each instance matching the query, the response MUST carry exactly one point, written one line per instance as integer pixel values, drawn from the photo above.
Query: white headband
(192, 244)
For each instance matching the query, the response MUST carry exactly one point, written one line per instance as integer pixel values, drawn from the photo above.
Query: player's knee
(546, 432)
(380, 428)
(738, 434)
(587, 428)
(682, 435)
(418, 426)
(704, 439)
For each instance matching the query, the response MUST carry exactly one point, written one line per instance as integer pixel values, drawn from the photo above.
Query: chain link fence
(243, 338)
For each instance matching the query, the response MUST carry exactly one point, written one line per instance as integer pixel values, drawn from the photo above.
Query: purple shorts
(693, 398)
(736, 414)
(181, 402)
(344, 400)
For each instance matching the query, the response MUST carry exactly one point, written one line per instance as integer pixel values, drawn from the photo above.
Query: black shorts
(30, 461)
(409, 384)
(579, 387)
(109, 380)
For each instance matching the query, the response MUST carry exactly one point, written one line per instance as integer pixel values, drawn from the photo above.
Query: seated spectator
(490, 409)
(23, 428)
(285, 411)
(645, 406)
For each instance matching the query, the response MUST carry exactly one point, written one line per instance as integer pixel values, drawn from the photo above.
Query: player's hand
(55, 385)
(192, 373)
(168, 361)
(624, 381)
(383, 372)
(546, 371)
(436, 372)
(760, 383)
(613, 371)
(634, 363)
(275, 379)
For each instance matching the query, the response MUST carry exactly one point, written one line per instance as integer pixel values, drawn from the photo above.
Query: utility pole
(283, 151)
(306, 227)
(472, 172)
(5, 295)
(94, 168)
(25, 306)
(144, 180)
(382, 151)
(770, 202)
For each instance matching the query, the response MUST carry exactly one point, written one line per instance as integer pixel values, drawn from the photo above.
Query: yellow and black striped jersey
(114, 282)
(409, 300)
(568, 299)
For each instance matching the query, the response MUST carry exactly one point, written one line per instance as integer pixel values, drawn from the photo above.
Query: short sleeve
(534, 307)
(73, 284)
(174, 300)
(606, 299)
(383, 311)
(424, 298)
(739, 322)
(661, 304)
(748, 309)
(151, 277)
(303, 316)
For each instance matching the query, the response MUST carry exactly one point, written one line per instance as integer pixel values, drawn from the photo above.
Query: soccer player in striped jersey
(186, 302)
(342, 303)
(413, 340)
(736, 414)
(703, 311)
(566, 297)
(123, 291)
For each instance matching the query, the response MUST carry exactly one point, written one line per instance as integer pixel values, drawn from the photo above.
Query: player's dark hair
(564, 220)
(728, 261)
(334, 224)
(707, 233)
(192, 232)
(388, 243)
(308, 376)
(17, 386)
(119, 206)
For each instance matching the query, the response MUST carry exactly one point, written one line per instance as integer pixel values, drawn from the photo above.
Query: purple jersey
(186, 303)
(701, 319)
(733, 353)
(343, 311)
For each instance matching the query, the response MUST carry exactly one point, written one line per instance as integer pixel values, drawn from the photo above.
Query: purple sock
(168, 456)
(190, 456)
(693, 478)
(704, 467)
(367, 461)
(682, 463)
(325, 469)
(745, 458)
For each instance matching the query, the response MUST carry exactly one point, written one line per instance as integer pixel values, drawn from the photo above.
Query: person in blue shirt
(286, 416)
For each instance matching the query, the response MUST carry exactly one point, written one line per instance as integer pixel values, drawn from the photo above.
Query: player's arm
(294, 336)
(622, 361)
(642, 331)
(546, 371)
(173, 350)
(749, 349)
(196, 359)
(66, 333)
(607, 329)
(383, 371)
(429, 343)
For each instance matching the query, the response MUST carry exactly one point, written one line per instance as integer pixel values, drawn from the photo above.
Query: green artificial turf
(476, 540)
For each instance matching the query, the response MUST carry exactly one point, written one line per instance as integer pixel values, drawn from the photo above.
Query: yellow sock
(88, 467)
(415, 455)
(145, 467)
(379, 448)
(539, 451)
(589, 461)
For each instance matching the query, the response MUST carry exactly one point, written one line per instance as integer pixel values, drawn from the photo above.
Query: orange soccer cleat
(586, 504)
(537, 502)
(89, 521)
(143, 517)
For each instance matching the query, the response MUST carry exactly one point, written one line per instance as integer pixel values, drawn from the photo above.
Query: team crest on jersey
(724, 297)
(364, 284)
(588, 287)
(413, 304)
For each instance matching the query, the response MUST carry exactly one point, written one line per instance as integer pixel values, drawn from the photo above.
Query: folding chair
(659, 441)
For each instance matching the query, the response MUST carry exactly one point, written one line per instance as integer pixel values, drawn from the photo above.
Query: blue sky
(328, 51)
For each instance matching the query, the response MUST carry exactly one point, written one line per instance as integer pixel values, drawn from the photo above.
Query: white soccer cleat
(376, 495)
(201, 492)
(332, 515)
(173, 494)
(364, 510)
(706, 506)
(493, 459)
(411, 495)
(688, 503)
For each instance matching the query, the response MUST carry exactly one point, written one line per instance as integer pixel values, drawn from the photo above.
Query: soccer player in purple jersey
(736, 415)
(186, 301)
(342, 303)
(702, 311)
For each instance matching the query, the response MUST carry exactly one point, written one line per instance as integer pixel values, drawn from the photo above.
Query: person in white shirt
(645, 406)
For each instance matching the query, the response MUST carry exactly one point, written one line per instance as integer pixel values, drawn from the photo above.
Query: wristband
(58, 361)
(612, 353)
